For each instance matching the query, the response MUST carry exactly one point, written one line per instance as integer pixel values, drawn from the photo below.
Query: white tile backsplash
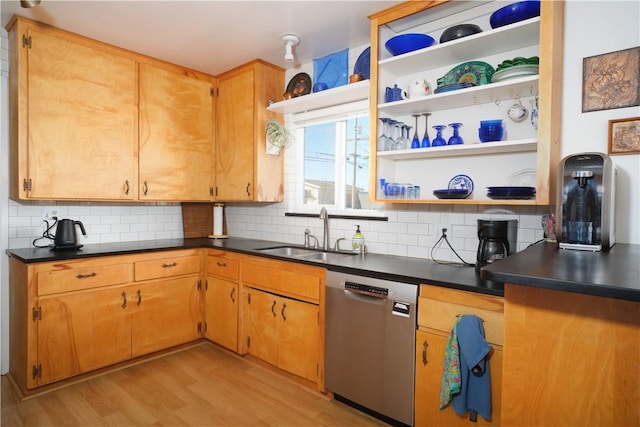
(103, 223)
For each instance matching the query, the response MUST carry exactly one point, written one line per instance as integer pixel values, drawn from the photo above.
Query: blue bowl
(484, 123)
(515, 12)
(404, 43)
(490, 133)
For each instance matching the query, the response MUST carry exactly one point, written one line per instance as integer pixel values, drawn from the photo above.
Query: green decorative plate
(476, 72)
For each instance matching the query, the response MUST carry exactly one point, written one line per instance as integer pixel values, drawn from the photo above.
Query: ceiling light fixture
(29, 3)
(289, 40)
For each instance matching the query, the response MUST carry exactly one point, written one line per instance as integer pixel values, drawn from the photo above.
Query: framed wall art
(624, 136)
(611, 80)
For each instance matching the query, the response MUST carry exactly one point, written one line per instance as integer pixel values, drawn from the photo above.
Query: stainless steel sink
(291, 251)
(324, 256)
(304, 253)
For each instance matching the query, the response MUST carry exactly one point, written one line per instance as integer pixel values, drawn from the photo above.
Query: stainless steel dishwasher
(370, 344)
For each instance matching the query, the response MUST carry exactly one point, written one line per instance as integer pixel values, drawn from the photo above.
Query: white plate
(515, 71)
(523, 178)
(461, 182)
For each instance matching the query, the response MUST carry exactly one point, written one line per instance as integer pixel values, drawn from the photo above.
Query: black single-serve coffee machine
(497, 240)
(586, 202)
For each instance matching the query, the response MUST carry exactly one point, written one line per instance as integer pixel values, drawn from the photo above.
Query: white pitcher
(417, 88)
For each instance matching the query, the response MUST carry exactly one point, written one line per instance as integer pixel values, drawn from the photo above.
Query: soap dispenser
(357, 241)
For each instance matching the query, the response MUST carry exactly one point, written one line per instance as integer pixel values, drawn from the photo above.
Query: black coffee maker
(497, 240)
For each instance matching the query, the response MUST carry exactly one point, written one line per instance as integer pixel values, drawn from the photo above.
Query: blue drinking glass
(456, 138)
(438, 141)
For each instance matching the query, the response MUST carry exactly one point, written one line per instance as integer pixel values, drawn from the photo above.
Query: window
(333, 163)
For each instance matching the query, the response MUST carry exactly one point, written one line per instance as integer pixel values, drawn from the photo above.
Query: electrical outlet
(48, 214)
(439, 227)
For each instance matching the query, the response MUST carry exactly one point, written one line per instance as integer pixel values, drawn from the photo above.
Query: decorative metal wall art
(624, 136)
(611, 80)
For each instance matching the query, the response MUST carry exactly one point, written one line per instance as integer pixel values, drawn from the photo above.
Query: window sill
(368, 216)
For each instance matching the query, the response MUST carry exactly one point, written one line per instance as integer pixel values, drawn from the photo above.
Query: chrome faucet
(324, 216)
(307, 239)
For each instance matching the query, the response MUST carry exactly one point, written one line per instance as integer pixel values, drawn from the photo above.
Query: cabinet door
(430, 350)
(298, 338)
(176, 136)
(235, 141)
(261, 325)
(222, 312)
(81, 332)
(164, 314)
(81, 121)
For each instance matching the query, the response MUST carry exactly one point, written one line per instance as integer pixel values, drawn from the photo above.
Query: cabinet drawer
(166, 267)
(438, 309)
(52, 282)
(222, 267)
(297, 285)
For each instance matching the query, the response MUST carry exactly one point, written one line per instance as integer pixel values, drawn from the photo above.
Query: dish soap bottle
(357, 241)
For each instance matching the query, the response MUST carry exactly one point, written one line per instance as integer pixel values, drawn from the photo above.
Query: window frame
(329, 115)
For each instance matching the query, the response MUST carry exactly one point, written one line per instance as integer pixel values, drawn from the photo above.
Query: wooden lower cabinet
(74, 316)
(221, 305)
(282, 314)
(164, 314)
(283, 332)
(85, 331)
(222, 297)
(81, 332)
(431, 347)
(570, 359)
(438, 309)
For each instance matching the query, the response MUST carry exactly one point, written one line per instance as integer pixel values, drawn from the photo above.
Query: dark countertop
(614, 273)
(403, 269)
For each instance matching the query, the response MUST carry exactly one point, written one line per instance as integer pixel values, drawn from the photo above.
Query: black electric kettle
(66, 236)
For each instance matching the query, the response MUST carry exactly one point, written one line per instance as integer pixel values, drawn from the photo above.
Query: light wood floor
(200, 386)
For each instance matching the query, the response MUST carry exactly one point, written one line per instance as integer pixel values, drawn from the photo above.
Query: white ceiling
(215, 35)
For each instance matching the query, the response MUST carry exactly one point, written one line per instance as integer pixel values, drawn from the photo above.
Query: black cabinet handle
(273, 308)
(424, 353)
(232, 295)
(139, 297)
(124, 300)
(86, 276)
(284, 307)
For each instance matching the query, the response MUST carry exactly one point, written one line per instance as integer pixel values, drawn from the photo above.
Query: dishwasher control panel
(366, 289)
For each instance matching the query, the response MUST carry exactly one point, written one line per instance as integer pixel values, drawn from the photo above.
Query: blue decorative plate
(363, 63)
(461, 182)
(332, 69)
(454, 193)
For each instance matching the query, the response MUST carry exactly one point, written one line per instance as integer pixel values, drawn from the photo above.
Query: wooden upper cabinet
(176, 135)
(244, 171)
(90, 121)
(72, 117)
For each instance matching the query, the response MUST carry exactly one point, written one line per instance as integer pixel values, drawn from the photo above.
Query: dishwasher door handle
(366, 297)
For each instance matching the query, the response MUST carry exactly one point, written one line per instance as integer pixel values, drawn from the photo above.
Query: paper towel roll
(218, 216)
